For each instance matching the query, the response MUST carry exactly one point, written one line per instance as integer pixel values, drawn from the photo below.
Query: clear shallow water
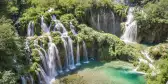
(124, 76)
(116, 72)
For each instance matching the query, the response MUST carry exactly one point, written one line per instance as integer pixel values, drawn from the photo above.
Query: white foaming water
(44, 26)
(78, 47)
(51, 66)
(85, 53)
(53, 50)
(146, 54)
(68, 44)
(148, 62)
(130, 34)
(30, 29)
(78, 55)
(84, 47)
(23, 80)
(49, 69)
(50, 10)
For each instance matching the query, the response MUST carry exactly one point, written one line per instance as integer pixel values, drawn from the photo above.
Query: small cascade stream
(130, 34)
(30, 29)
(85, 53)
(147, 60)
(44, 26)
(146, 54)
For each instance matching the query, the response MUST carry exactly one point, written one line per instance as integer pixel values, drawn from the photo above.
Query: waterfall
(38, 76)
(49, 69)
(31, 79)
(78, 55)
(78, 47)
(43, 76)
(70, 53)
(72, 27)
(30, 29)
(85, 53)
(146, 54)
(98, 22)
(104, 19)
(53, 51)
(84, 47)
(130, 34)
(27, 79)
(23, 80)
(66, 54)
(51, 66)
(114, 30)
(44, 61)
(147, 60)
(44, 26)
(68, 44)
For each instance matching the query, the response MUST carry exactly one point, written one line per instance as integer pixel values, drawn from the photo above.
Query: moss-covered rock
(159, 51)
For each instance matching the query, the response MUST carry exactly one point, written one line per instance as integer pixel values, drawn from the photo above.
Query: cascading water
(105, 20)
(51, 66)
(147, 60)
(44, 26)
(30, 29)
(84, 47)
(130, 34)
(44, 79)
(146, 54)
(78, 55)
(70, 53)
(78, 47)
(31, 79)
(66, 55)
(23, 80)
(54, 52)
(85, 53)
(68, 45)
(48, 70)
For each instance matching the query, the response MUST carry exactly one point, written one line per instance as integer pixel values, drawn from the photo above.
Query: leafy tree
(11, 48)
(8, 77)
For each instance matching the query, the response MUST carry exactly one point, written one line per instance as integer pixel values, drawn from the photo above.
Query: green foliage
(74, 79)
(33, 67)
(154, 12)
(144, 67)
(116, 49)
(35, 54)
(67, 18)
(12, 7)
(152, 21)
(10, 45)
(121, 10)
(162, 77)
(159, 51)
(8, 77)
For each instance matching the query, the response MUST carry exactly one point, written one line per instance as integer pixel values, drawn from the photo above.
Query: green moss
(35, 55)
(74, 79)
(144, 67)
(67, 18)
(159, 51)
(117, 48)
(33, 67)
